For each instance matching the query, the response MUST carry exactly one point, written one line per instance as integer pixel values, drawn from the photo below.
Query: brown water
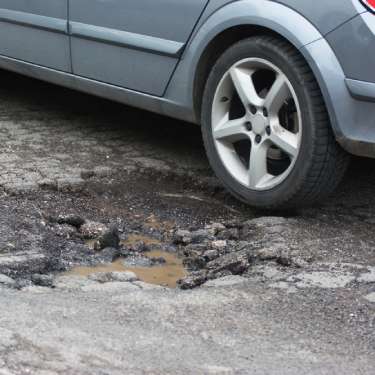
(166, 274)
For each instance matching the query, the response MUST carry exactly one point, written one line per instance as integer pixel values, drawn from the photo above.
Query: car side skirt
(133, 98)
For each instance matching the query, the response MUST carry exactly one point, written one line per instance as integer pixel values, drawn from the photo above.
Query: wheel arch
(215, 49)
(233, 22)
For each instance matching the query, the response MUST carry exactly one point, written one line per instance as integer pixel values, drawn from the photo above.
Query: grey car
(284, 90)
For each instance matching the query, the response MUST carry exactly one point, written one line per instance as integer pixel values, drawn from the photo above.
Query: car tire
(297, 160)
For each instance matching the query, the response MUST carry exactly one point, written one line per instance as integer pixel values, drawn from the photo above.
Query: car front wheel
(266, 128)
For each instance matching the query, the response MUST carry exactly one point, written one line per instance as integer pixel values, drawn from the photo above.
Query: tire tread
(328, 160)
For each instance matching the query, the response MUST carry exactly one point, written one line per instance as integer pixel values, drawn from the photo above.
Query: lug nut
(268, 130)
(258, 139)
(265, 112)
(253, 109)
(249, 126)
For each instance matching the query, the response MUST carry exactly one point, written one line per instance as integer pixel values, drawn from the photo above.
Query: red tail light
(370, 4)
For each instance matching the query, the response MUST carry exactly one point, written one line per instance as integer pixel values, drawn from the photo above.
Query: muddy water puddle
(166, 274)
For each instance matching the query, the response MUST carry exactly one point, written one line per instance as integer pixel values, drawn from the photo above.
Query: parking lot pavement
(302, 297)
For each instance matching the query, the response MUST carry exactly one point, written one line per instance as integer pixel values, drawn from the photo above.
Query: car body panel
(150, 61)
(109, 42)
(354, 46)
(36, 31)
(352, 117)
(267, 14)
(353, 120)
(325, 15)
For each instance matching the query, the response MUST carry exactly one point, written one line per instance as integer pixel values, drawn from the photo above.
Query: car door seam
(69, 36)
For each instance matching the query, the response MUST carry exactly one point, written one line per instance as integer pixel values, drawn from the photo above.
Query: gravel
(5, 280)
(105, 277)
(273, 293)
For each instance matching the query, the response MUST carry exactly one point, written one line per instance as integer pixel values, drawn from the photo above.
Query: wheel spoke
(230, 130)
(278, 94)
(258, 164)
(285, 140)
(270, 129)
(244, 85)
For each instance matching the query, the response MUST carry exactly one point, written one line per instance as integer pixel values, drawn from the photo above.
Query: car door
(36, 31)
(134, 44)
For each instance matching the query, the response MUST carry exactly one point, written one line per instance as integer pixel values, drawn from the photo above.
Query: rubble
(6, 280)
(105, 277)
(42, 280)
(71, 219)
(193, 280)
(108, 238)
(92, 230)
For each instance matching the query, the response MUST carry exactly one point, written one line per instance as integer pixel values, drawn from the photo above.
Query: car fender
(271, 15)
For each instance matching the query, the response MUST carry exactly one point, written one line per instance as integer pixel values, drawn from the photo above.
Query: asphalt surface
(64, 152)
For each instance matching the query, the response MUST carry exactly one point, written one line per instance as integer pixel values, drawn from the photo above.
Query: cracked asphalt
(65, 152)
(53, 137)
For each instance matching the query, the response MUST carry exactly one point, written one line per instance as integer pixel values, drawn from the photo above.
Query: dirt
(296, 286)
(33, 215)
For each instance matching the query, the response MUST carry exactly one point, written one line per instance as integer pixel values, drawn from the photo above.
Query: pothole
(166, 272)
(135, 238)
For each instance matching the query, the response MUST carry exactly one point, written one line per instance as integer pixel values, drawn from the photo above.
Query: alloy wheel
(256, 124)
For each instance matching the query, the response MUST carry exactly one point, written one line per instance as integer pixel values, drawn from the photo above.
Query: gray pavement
(62, 151)
(128, 330)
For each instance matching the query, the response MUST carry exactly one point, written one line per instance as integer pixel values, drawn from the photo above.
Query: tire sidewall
(259, 48)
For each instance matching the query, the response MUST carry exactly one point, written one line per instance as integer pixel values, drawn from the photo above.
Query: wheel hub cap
(259, 124)
(259, 144)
